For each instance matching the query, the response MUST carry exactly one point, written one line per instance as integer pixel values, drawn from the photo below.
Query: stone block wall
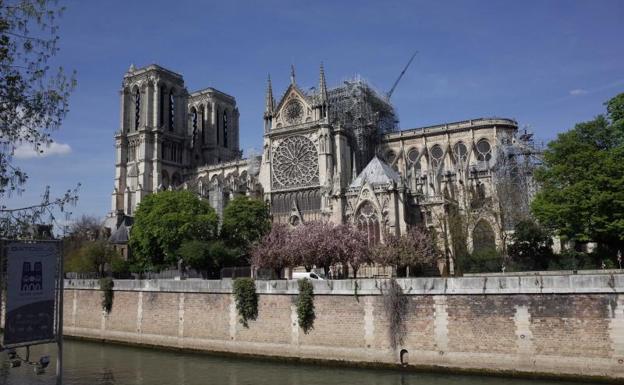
(566, 326)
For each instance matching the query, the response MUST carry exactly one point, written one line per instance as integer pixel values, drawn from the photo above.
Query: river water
(91, 363)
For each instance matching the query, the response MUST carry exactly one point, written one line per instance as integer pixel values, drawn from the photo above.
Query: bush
(305, 305)
(106, 285)
(531, 246)
(484, 261)
(246, 300)
(576, 260)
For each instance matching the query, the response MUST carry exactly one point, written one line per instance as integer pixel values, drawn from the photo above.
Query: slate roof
(376, 172)
(121, 234)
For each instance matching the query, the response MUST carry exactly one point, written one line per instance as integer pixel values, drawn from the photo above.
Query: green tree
(531, 246)
(582, 180)
(245, 220)
(94, 256)
(207, 256)
(163, 221)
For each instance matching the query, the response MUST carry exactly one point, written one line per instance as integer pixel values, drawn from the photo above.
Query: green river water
(91, 363)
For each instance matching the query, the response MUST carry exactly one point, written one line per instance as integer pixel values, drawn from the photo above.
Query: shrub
(106, 285)
(483, 261)
(305, 305)
(246, 300)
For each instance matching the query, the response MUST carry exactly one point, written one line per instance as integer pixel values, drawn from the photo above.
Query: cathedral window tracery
(171, 110)
(484, 150)
(436, 156)
(483, 238)
(368, 221)
(137, 109)
(161, 107)
(460, 152)
(295, 163)
(225, 128)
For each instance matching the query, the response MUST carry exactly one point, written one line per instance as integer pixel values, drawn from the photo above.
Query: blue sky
(548, 64)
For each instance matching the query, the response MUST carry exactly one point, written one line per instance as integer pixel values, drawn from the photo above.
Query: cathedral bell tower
(151, 140)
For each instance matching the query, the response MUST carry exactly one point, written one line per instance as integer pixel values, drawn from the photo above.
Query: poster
(31, 292)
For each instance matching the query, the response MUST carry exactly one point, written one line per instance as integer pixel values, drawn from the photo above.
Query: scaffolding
(364, 113)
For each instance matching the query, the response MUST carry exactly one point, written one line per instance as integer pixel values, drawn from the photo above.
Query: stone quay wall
(567, 326)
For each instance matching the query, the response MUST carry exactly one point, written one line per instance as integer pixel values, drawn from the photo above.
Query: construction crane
(389, 94)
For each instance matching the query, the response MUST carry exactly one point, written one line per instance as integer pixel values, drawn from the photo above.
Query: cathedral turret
(322, 99)
(322, 85)
(269, 106)
(292, 74)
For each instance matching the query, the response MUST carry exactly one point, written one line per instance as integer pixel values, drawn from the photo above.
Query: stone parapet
(508, 284)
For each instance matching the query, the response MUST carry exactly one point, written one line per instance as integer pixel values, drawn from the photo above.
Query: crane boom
(401, 75)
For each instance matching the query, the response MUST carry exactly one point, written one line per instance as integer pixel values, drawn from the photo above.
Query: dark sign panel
(31, 292)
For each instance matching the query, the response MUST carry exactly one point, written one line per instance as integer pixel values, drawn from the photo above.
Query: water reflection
(88, 363)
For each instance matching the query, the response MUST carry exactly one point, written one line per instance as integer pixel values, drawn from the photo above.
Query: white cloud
(27, 151)
(577, 92)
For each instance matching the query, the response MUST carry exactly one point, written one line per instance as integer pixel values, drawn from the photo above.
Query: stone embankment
(565, 326)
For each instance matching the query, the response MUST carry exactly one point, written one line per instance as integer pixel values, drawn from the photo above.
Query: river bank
(555, 326)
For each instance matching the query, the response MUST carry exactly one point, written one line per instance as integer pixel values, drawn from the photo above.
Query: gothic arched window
(225, 128)
(137, 109)
(483, 237)
(368, 221)
(203, 126)
(217, 126)
(484, 150)
(437, 154)
(460, 152)
(194, 124)
(161, 107)
(171, 110)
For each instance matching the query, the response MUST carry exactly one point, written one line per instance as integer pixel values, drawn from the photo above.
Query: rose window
(295, 163)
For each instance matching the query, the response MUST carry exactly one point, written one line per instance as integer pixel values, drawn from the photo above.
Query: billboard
(31, 269)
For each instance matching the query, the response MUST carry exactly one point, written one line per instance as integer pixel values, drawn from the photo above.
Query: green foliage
(106, 285)
(208, 256)
(484, 261)
(94, 256)
(576, 260)
(246, 300)
(305, 305)
(245, 220)
(163, 221)
(531, 246)
(582, 180)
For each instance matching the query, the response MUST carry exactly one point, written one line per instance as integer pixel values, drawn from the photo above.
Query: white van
(306, 274)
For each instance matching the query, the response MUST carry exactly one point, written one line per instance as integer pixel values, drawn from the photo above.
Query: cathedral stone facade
(333, 154)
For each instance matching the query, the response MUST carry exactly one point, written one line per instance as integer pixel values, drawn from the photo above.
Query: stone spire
(270, 102)
(322, 85)
(292, 74)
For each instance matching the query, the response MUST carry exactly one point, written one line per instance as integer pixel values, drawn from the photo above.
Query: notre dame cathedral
(329, 153)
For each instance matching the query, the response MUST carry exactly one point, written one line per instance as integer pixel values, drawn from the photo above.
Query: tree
(34, 103)
(415, 249)
(163, 221)
(207, 256)
(531, 246)
(245, 220)
(582, 180)
(312, 244)
(272, 251)
(34, 100)
(94, 256)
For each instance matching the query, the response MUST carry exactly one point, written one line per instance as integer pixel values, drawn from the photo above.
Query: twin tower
(165, 131)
